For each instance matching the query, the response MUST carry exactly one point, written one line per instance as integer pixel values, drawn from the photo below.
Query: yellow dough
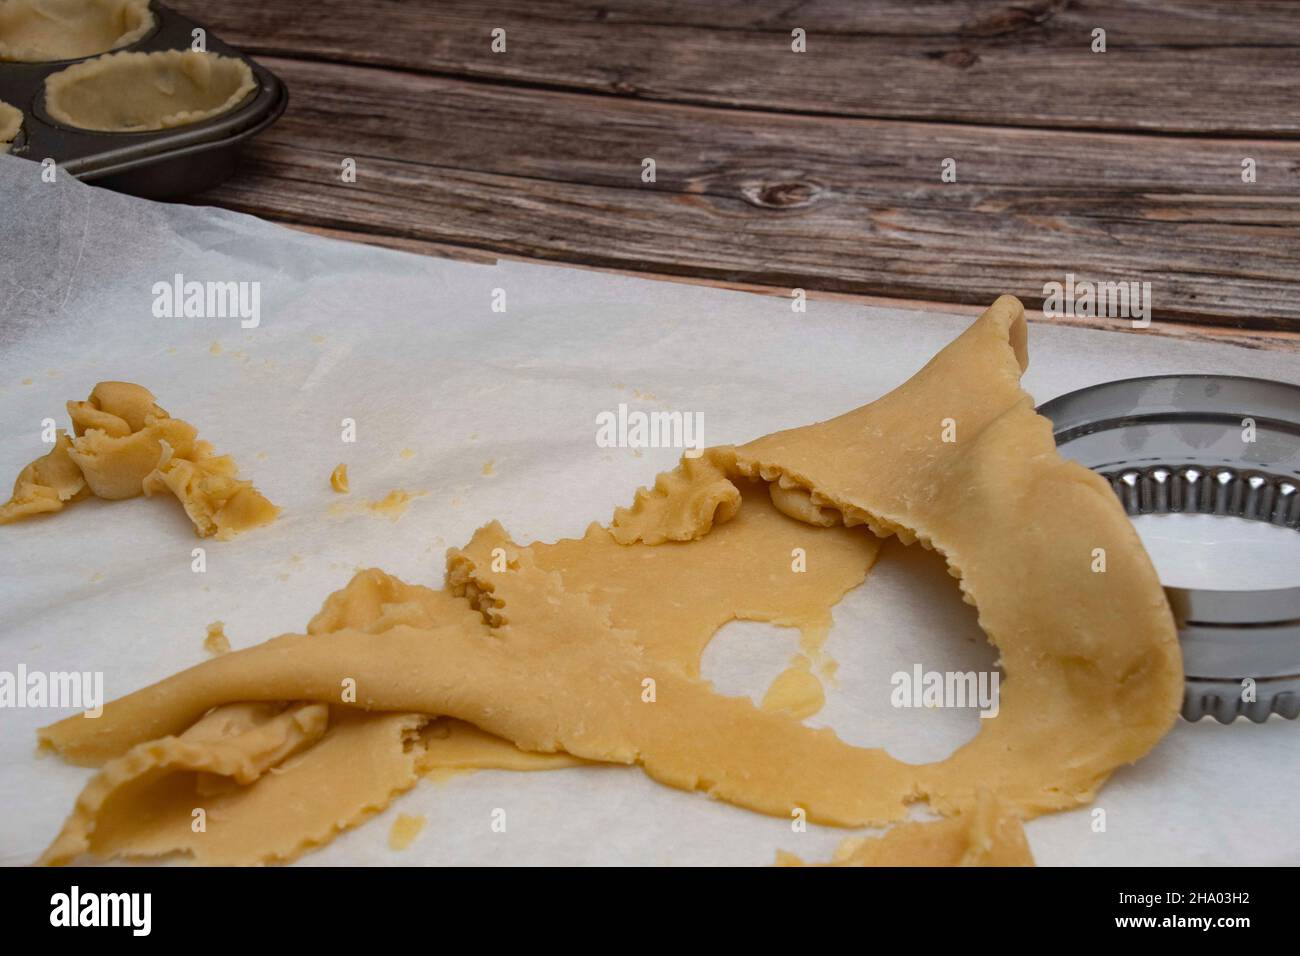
(271, 785)
(125, 446)
(796, 691)
(393, 505)
(339, 479)
(11, 121)
(135, 92)
(37, 31)
(989, 835)
(404, 831)
(47, 484)
(455, 745)
(216, 643)
(591, 647)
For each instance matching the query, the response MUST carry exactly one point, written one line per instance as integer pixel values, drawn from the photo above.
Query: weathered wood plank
(1201, 66)
(838, 205)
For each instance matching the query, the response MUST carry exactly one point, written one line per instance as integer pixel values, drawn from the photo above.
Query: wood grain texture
(831, 204)
(1224, 67)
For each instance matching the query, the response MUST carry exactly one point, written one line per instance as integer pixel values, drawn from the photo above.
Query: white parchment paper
(492, 415)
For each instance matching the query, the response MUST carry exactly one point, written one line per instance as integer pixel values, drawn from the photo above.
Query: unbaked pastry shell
(138, 92)
(45, 31)
(11, 121)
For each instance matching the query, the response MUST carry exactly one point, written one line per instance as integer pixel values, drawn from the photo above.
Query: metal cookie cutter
(1176, 443)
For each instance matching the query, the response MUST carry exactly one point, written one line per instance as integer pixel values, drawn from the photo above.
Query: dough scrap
(989, 835)
(555, 647)
(47, 484)
(393, 505)
(796, 691)
(42, 31)
(339, 479)
(136, 92)
(216, 643)
(404, 831)
(270, 788)
(126, 445)
(11, 121)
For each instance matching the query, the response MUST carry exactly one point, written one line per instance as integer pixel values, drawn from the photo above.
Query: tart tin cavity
(136, 92)
(1210, 444)
(47, 31)
(157, 164)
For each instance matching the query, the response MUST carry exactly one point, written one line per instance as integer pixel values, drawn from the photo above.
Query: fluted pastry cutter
(1207, 444)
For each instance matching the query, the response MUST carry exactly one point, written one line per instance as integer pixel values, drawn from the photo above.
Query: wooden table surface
(819, 170)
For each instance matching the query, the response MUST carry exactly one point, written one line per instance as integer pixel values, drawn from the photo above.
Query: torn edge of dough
(990, 834)
(237, 741)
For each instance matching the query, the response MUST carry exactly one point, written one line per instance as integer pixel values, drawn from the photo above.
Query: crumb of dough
(215, 348)
(590, 647)
(988, 835)
(216, 643)
(339, 479)
(393, 504)
(489, 468)
(28, 381)
(126, 445)
(795, 691)
(408, 453)
(404, 831)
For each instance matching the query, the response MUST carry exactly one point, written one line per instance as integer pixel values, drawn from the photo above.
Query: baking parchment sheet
(492, 415)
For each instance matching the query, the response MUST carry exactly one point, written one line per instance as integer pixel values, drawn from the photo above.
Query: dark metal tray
(156, 164)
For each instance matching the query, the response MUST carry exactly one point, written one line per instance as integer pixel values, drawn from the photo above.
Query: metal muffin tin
(1174, 444)
(156, 164)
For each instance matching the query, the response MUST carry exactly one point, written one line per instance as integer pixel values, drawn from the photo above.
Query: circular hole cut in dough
(138, 92)
(11, 121)
(43, 31)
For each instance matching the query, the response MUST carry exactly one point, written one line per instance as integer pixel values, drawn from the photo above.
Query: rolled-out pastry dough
(127, 445)
(590, 647)
(135, 92)
(42, 31)
(11, 121)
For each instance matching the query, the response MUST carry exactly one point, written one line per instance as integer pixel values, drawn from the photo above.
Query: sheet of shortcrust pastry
(576, 648)
(527, 405)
